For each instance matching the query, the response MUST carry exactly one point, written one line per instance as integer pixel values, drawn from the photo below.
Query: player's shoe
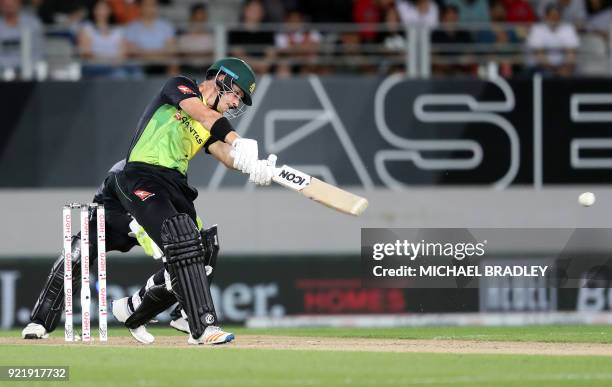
(122, 312)
(180, 324)
(212, 335)
(142, 335)
(34, 331)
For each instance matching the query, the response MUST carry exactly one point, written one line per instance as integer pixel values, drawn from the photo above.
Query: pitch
(525, 356)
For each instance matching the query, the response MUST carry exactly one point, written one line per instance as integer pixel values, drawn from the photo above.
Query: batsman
(183, 119)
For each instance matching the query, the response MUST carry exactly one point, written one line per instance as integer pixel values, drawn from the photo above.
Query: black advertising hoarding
(576, 131)
(284, 286)
(390, 132)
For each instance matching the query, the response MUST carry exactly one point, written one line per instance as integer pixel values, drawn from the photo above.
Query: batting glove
(262, 173)
(245, 154)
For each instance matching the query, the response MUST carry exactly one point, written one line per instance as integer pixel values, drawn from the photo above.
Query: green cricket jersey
(167, 136)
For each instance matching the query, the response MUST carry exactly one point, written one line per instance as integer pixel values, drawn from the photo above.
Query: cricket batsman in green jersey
(183, 119)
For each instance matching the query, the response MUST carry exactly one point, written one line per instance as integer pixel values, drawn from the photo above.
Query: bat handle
(272, 160)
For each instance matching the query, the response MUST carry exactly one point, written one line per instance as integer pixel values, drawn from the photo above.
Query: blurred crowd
(135, 38)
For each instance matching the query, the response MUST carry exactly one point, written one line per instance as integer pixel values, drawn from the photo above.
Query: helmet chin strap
(216, 103)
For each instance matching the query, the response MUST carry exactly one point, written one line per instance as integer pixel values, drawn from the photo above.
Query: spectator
(600, 17)
(501, 37)
(276, 10)
(350, 59)
(553, 44)
(298, 43)
(152, 40)
(251, 43)
(197, 43)
(471, 11)
(422, 12)
(103, 45)
(519, 11)
(448, 34)
(63, 12)
(367, 12)
(296, 35)
(393, 39)
(498, 35)
(572, 11)
(125, 11)
(12, 21)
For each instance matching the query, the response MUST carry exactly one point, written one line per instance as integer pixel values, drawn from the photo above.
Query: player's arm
(243, 151)
(223, 153)
(261, 172)
(209, 118)
(182, 92)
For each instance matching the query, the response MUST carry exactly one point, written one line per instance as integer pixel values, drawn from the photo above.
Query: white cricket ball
(586, 199)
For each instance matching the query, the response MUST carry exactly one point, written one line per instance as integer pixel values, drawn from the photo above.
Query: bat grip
(272, 160)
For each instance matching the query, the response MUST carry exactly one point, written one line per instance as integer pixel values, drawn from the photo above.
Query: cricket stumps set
(85, 284)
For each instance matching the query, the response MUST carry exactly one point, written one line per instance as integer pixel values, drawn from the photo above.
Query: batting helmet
(241, 73)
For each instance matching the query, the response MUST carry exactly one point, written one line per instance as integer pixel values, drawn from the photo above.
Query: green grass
(226, 366)
(151, 366)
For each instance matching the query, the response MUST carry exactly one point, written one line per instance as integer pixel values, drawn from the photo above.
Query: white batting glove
(262, 172)
(245, 154)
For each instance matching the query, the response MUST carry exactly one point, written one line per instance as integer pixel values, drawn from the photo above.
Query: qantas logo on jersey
(143, 195)
(185, 89)
(192, 130)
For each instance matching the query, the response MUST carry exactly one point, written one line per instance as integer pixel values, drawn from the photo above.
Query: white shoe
(180, 324)
(212, 335)
(121, 311)
(34, 331)
(142, 335)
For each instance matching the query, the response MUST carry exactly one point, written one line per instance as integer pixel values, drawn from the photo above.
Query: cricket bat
(317, 190)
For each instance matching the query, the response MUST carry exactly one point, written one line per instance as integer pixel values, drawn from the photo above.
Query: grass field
(181, 365)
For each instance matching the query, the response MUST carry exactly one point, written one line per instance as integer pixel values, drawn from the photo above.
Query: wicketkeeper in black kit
(152, 190)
